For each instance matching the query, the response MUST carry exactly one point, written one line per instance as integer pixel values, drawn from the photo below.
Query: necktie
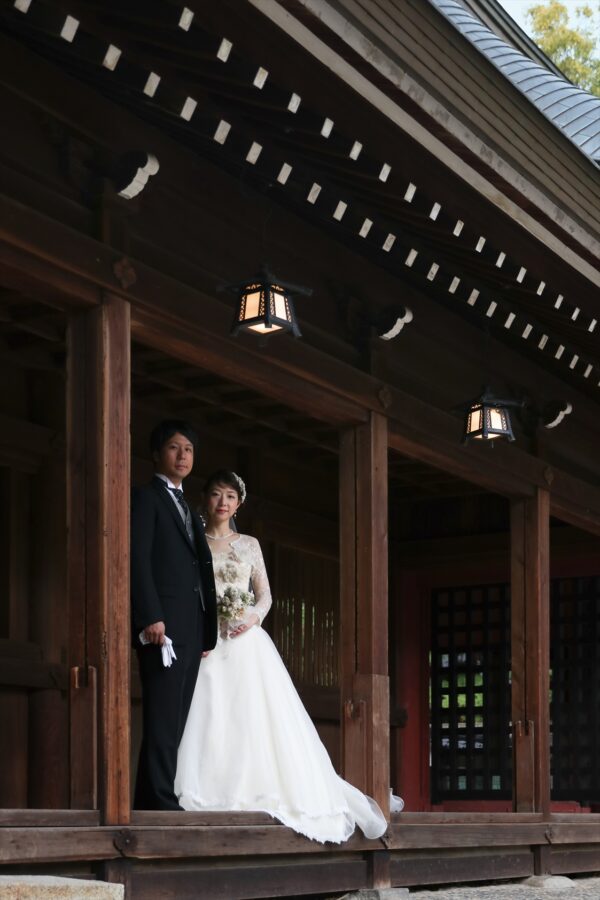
(178, 494)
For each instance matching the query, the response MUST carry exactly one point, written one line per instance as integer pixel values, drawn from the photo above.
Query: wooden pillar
(530, 642)
(364, 608)
(98, 490)
(409, 660)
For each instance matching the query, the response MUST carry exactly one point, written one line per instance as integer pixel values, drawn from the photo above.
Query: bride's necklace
(219, 537)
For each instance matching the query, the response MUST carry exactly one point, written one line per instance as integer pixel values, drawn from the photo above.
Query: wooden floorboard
(155, 817)
(402, 837)
(41, 818)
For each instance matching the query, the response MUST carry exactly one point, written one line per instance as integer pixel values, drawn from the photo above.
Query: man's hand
(155, 633)
(205, 654)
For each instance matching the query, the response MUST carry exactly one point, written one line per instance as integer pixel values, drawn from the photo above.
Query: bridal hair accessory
(241, 487)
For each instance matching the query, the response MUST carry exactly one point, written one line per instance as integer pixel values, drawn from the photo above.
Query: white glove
(168, 654)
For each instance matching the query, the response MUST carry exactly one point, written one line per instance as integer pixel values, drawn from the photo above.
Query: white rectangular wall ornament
(69, 29)
(224, 50)
(253, 153)
(260, 78)
(385, 172)
(111, 58)
(188, 109)
(284, 173)
(152, 84)
(314, 193)
(294, 104)
(186, 18)
(222, 132)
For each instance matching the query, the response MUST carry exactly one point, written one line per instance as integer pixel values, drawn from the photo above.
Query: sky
(518, 8)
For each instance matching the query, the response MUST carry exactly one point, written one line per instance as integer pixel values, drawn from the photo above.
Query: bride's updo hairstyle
(230, 479)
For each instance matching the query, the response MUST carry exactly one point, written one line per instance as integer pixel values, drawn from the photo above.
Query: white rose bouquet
(232, 603)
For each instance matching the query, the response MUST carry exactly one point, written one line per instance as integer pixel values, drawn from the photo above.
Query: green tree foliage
(572, 45)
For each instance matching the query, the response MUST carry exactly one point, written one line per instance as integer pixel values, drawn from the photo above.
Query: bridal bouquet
(232, 603)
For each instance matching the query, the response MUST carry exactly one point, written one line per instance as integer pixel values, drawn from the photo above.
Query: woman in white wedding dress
(248, 743)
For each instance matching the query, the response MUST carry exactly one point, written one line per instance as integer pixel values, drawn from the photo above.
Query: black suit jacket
(168, 572)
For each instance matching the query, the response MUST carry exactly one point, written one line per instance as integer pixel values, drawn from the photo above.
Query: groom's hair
(165, 430)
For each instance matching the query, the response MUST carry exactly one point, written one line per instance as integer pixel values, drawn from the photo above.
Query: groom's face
(175, 459)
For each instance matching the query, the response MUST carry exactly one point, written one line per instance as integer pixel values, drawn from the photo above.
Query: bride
(248, 743)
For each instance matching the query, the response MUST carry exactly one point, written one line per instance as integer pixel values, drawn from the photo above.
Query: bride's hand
(245, 626)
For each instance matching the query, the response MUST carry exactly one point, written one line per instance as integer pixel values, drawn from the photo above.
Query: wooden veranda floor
(247, 855)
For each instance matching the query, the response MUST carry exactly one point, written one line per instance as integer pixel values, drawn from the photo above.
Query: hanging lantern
(264, 305)
(488, 418)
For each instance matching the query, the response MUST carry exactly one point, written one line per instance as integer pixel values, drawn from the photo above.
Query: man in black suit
(172, 594)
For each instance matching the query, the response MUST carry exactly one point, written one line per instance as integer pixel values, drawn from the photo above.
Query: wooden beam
(530, 650)
(247, 409)
(194, 326)
(98, 503)
(364, 608)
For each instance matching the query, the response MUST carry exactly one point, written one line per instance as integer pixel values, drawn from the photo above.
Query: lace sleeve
(260, 581)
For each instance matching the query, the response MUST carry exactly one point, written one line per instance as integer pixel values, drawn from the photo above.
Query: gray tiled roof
(575, 111)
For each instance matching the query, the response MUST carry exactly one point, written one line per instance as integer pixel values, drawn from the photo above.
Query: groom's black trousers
(166, 698)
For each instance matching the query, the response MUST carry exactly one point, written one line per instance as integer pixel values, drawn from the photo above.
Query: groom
(173, 595)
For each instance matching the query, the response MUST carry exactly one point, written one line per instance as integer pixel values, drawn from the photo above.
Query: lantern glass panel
(252, 305)
(497, 420)
(278, 304)
(475, 422)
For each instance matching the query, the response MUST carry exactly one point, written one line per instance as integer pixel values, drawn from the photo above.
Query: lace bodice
(241, 565)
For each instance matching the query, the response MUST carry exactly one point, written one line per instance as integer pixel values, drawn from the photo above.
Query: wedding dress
(248, 743)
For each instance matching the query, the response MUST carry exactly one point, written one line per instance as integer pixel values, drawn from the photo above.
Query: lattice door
(471, 755)
(575, 662)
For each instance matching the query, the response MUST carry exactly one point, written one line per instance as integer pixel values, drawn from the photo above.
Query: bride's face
(221, 503)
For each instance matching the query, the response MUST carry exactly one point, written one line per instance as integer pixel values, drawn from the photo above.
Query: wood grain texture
(530, 643)
(98, 463)
(364, 608)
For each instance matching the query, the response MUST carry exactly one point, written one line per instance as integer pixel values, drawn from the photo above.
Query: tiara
(241, 485)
